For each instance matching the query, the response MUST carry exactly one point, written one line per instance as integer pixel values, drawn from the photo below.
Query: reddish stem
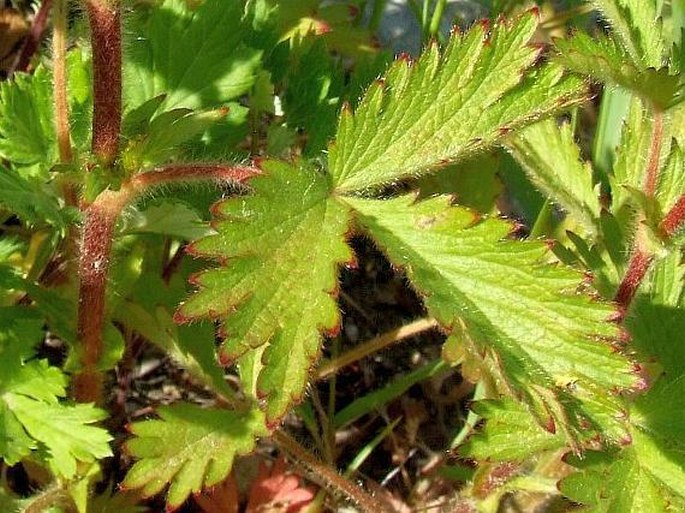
(652, 174)
(675, 219)
(105, 27)
(95, 256)
(34, 38)
(96, 248)
(59, 48)
(641, 260)
(637, 269)
(192, 173)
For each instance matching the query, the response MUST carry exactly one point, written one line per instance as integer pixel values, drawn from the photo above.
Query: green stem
(377, 14)
(59, 52)
(437, 18)
(374, 345)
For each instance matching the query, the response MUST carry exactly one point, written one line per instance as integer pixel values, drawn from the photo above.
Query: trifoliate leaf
(637, 27)
(551, 158)
(31, 416)
(510, 433)
(189, 448)
(548, 339)
(605, 60)
(27, 133)
(194, 55)
(282, 245)
(447, 105)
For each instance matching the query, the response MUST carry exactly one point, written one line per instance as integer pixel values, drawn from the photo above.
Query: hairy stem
(96, 248)
(105, 28)
(59, 51)
(653, 164)
(641, 259)
(374, 345)
(95, 255)
(674, 221)
(322, 474)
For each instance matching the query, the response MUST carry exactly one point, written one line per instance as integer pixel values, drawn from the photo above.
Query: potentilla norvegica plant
(144, 113)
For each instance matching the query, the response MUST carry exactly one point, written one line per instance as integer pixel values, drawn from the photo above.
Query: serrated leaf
(194, 55)
(603, 59)
(637, 27)
(165, 134)
(549, 339)
(27, 134)
(282, 245)
(28, 200)
(646, 476)
(31, 416)
(446, 106)
(64, 430)
(632, 156)
(551, 158)
(189, 448)
(510, 433)
(672, 179)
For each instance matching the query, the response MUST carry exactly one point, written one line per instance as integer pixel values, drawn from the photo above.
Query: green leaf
(189, 448)
(64, 430)
(647, 475)
(27, 133)
(31, 416)
(445, 107)
(637, 27)
(605, 60)
(551, 158)
(282, 246)
(172, 218)
(510, 433)
(165, 134)
(194, 55)
(632, 157)
(547, 338)
(32, 203)
(671, 179)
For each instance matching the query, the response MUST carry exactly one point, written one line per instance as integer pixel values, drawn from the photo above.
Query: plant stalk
(641, 260)
(324, 475)
(95, 255)
(59, 51)
(105, 27)
(674, 220)
(374, 345)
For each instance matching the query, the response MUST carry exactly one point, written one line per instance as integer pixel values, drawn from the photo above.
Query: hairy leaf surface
(27, 134)
(551, 158)
(445, 106)
(189, 448)
(545, 335)
(282, 246)
(510, 433)
(605, 60)
(637, 27)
